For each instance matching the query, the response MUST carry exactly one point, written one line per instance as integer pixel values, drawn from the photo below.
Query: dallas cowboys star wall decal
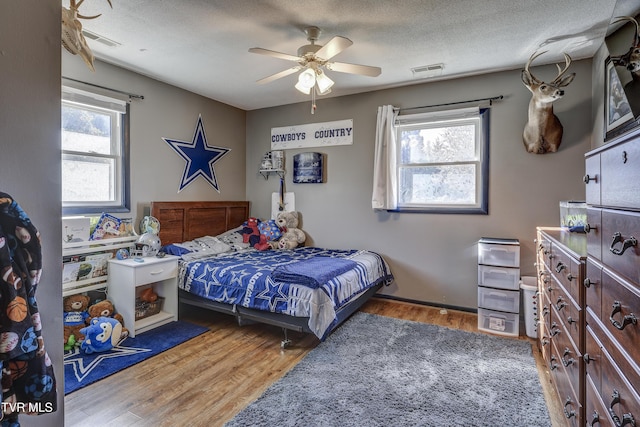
(199, 157)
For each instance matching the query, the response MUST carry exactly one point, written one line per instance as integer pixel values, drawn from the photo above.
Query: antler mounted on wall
(72, 38)
(543, 131)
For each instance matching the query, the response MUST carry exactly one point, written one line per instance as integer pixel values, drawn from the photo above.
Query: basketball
(17, 309)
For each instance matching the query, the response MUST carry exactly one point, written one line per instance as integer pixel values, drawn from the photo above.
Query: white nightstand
(127, 278)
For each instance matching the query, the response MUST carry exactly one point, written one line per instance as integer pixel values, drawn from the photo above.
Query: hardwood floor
(173, 389)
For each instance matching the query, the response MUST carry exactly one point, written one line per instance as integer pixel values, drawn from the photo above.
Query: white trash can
(529, 286)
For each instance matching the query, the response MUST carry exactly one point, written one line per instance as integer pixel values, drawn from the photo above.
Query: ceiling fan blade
(279, 75)
(275, 54)
(365, 70)
(333, 47)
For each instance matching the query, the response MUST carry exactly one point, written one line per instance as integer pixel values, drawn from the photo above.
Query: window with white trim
(442, 161)
(94, 153)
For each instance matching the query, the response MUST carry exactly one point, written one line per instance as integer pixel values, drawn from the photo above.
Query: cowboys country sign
(312, 135)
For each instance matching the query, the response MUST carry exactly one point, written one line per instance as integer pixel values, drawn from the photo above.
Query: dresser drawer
(620, 251)
(569, 356)
(617, 394)
(593, 357)
(594, 242)
(620, 171)
(617, 352)
(592, 179)
(572, 407)
(596, 412)
(620, 311)
(620, 248)
(593, 287)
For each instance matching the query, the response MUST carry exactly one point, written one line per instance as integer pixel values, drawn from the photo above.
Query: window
(95, 151)
(442, 161)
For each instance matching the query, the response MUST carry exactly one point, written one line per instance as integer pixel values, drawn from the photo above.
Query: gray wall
(166, 111)
(30, 147)
(434, 257)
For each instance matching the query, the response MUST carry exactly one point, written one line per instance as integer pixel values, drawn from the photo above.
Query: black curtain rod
(494, 98)
(131, 95)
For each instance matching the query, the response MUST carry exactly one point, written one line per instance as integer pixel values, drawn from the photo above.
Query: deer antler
(561, 72)
(533, 56)
(636, 36)
(72, 38)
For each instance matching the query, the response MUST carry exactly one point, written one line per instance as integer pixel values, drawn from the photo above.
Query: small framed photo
(617, 108)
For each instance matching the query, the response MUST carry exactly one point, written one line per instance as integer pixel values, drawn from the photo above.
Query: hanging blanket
(27, 373)
(312, 272)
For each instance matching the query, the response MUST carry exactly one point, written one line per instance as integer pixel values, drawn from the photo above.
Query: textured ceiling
(202, 45)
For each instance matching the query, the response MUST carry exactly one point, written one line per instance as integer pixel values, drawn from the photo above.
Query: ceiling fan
(313, 59)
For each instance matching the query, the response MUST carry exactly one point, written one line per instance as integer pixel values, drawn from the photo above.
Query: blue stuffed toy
(270, 229)
(102, 334)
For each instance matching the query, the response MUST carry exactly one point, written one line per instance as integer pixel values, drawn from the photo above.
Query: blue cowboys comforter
(246, 278)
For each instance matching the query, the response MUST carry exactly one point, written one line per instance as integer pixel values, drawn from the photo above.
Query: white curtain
(385, 178)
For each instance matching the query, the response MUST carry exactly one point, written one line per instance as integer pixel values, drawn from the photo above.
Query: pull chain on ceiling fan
(313, 59)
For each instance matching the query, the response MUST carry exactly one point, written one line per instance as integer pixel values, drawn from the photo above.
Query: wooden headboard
(183, 221)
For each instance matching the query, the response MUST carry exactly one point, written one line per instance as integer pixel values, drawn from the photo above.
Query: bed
(306, 289)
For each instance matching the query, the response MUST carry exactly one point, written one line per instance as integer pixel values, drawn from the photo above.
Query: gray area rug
(380, 371)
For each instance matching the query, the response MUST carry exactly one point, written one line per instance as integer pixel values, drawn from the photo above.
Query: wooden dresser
(612, 284)
(561, 265)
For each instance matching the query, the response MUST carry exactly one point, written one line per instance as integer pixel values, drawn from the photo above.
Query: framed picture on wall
(617, 109)
(308, 168)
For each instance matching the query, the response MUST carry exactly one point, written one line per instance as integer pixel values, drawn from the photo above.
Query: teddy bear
(102, 334)
(251, 234)
(74, 318)
(292, 236)
(105, 308)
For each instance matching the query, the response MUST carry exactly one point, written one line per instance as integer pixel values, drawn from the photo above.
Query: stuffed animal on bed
(102, 334)
(292, 236)
(270, 229)
(74, 318)
(251, 234)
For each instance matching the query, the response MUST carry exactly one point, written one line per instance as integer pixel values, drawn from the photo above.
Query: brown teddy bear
(292, 236)
(74, 318)
(105, 308)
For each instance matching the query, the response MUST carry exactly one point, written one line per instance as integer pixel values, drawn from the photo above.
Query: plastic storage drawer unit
(499, 299)
(501, 252)
(498, 277)
(498, 322)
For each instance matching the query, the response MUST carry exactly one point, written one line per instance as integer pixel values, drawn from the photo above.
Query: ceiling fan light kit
(311, 59)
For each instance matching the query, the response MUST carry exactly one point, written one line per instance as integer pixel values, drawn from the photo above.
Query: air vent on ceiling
(100, 39)
(431, 70)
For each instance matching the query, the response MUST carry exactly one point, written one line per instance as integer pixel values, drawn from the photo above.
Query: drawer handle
(595, 419)
(626, 243)
(155, 273)
(626, 418)
(545, 341)
(553, 366)
(566, 362)
(587, 359)
(571, 413)
(588, 179)
(629, 318)
(560, 267)
(588, 227)
(560, 304)
(545, 311)
(554, 329)
(571, 320)
(570, 277)
(587, 283)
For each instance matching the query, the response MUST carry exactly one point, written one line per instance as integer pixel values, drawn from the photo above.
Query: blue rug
(82, 369)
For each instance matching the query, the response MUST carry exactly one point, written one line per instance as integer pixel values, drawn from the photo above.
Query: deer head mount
(631, 59)
(72, 38)
(543, 131)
